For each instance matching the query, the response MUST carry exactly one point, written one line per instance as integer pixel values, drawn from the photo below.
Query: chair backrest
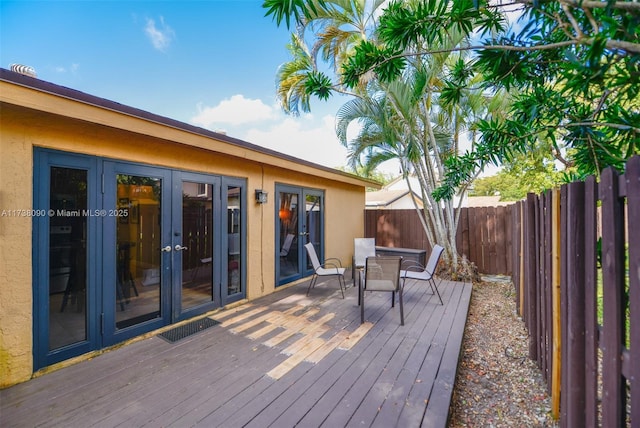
(434, 258)
(312, 255)
(382, 273)
(287, 244)
(363, 248)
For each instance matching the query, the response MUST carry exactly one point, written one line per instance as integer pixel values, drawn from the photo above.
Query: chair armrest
(333, 258)
(326, 265)
(412, 266)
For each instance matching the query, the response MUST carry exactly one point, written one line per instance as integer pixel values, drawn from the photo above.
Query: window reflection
(288, 217)
(234, 210)
(67, 257)
(313, 222)
(138, 256)
(197, 237)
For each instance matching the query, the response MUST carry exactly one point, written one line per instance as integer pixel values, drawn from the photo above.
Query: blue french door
(123, 249)
(299, 220)
(66, 301)
(138, 250)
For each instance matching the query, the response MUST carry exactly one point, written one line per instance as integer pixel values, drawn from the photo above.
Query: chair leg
(401, 307)
(434, 288)
(393, 299)
(361, 301)
(312, 283)
(342, 284)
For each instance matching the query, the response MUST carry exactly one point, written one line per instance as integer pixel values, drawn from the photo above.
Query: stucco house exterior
(116, 222)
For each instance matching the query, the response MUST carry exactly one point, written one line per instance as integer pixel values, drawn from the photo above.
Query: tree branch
(573, 21)
(592, 21)
(623, 45)
(628, 6)
(338, 88)
(635, 129)
(555, 151)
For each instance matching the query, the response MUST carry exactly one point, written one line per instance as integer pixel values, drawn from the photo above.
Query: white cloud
(304, 138)
(252, 120)
(234, 111)
(160, 37)
(71, 69)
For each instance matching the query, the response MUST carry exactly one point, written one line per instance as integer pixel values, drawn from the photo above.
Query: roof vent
(23, 69)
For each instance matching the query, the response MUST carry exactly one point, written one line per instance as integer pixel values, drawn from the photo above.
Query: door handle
(304, 233)
(180, 248)
(166, 249)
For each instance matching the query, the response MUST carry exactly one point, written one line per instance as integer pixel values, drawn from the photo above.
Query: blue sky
(209, 63)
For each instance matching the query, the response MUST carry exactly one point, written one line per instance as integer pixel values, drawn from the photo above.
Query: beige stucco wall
(15, 256)
(32, 119)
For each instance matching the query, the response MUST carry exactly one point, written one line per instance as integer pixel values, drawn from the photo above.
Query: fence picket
(515, 253)
(530, 268)
(556, 313)
(539, 315)
(473, 245)
(632, 177)
(500, 239)
(564, 297)
(547, 253)
(591, 304)
(574, 345)
(613, 393)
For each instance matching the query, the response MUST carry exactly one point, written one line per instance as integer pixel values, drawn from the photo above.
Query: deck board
(329, 369)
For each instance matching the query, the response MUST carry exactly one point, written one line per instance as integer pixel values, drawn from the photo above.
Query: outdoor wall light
(261, 196)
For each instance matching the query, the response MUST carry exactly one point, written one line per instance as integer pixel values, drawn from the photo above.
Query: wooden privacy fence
(483, 235)
(584, 322)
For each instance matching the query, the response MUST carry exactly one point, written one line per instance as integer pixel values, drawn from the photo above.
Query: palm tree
(291, 77)
(417, 119)
(336, 26)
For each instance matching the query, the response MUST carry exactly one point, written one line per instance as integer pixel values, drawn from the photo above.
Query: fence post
(613, 393)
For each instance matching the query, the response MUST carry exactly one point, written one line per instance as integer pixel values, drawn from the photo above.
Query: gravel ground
(497, 385)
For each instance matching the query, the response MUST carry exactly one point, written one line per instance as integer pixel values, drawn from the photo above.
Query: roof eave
(269, 156)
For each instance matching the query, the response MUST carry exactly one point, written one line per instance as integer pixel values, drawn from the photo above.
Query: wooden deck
(283, 360)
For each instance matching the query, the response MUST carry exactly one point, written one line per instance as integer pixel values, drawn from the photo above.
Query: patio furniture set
(376, 272)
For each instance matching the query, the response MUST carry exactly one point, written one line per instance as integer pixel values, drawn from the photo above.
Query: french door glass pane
(288, 217)
(197, 237)
(234, 211)
(138, 258)
(313, 222)
(67, 257)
